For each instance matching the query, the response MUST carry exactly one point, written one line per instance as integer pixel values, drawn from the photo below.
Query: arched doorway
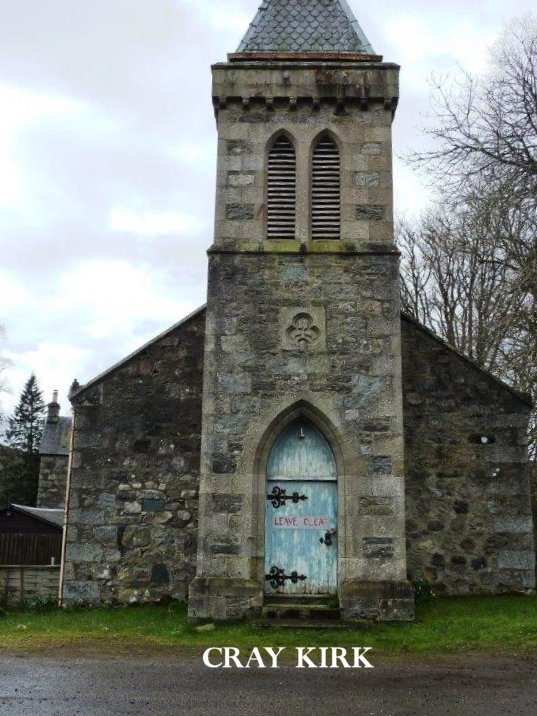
(301, 513)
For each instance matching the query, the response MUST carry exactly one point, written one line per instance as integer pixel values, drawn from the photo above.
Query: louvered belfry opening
(325, 190)
(281, 190)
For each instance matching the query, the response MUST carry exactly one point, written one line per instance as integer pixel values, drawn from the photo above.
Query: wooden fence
(29, 548)
(20, 583)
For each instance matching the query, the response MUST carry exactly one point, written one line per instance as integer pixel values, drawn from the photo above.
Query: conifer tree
(24, 434)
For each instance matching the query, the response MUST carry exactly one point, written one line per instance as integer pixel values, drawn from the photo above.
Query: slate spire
(305, 26)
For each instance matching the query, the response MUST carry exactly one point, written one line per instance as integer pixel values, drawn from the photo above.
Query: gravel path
(478, 685)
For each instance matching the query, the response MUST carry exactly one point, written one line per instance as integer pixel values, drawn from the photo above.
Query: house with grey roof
(54, 457)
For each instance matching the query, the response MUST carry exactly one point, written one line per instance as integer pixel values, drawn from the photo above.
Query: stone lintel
(305, 61)
(295, 57)
(376, 250)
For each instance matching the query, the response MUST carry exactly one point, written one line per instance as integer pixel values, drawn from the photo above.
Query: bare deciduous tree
(487, 126)
(456, 280)
(470, 266)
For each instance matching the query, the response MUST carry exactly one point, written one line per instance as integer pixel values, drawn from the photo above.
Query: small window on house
(281, 190)
(325, 190)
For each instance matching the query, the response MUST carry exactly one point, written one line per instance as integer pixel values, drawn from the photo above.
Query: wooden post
(22, 585)
(6, 587)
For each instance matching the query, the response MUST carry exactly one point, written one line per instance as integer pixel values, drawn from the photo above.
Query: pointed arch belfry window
(325, 189)
(281, 189)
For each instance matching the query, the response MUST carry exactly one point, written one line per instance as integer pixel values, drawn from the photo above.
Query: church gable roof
(200, 314)
(77, 389)
(519, 395)
(305, 26)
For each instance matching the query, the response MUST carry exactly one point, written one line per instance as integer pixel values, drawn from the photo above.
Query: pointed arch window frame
(325, 188)
(281, 175)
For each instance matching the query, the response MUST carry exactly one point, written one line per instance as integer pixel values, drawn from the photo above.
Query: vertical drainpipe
(66, 509)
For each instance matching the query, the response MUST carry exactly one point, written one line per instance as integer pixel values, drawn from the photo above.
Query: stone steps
(302, 612)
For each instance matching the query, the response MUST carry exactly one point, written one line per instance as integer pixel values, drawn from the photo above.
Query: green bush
(41, 605)
(423, 592)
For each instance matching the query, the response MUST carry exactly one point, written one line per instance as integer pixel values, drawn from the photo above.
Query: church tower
(302, 473)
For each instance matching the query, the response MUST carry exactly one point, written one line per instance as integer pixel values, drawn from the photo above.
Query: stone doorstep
(300, 612)
(303, 611)
(262, 623)
(286, 599)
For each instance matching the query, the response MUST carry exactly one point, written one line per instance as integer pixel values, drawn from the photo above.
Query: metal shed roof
(53, 517)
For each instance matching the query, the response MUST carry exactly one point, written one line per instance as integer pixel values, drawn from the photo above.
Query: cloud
(422, 42)
(22, 108)
(232, 18)
(152, 223)
(116, 297)
(52, 363)
(87, 318)
(108, 151)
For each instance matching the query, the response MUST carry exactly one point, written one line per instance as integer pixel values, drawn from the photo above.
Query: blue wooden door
(301, 514)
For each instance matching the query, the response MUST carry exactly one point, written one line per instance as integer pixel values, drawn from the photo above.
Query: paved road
(162, 685)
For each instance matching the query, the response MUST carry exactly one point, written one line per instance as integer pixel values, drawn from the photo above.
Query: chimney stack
(53, 409)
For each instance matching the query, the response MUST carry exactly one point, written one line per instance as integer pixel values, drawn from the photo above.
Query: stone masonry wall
(133, 504)
(303, 325)
(350, 376)
(52, 481)
(133, 508)
(468, 508)
(303, 103)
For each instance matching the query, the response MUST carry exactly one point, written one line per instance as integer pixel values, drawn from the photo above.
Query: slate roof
(53, 517)
(305, 26)
(56, 437)
(519, 395)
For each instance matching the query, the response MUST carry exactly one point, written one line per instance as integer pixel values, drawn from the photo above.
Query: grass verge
(445, 625)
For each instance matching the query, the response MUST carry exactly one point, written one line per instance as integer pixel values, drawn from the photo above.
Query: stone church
(298, 438)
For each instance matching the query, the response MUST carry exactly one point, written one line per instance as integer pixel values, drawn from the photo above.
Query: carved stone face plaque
(302, 329)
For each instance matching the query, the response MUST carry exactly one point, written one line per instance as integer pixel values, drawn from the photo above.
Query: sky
(108, 155)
